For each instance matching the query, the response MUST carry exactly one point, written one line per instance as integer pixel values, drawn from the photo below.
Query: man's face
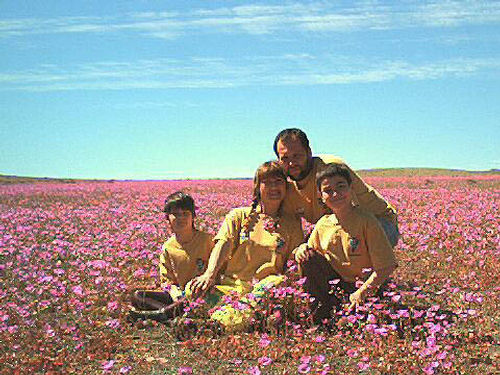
(294, 158)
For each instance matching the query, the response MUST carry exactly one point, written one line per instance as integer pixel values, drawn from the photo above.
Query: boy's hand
(356, 299)
(303, 253)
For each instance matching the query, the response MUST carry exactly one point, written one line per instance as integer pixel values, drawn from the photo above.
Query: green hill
(386, 172)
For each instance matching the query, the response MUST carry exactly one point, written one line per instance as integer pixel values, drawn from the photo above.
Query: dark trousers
(149, 304)
(150, 300)
(328, 295)
(320, 284)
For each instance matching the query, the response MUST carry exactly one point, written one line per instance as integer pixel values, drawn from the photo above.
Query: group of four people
(352, 241)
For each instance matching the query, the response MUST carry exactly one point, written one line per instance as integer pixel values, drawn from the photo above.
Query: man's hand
(201, 284)
(303, 253)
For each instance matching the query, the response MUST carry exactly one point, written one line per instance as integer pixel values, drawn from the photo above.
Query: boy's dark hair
(293, 134)
(179, 200)
(331, 170)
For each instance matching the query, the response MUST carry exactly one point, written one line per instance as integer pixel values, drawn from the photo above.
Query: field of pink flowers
(70, 253)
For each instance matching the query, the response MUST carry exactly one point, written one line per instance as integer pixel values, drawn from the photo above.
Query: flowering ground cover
(70, 253)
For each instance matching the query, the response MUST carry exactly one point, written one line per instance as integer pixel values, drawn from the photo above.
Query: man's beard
(304, 173)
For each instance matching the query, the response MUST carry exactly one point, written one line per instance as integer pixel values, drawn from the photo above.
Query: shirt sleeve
(230, 228)
(295, 234)
(313, 241)
(379, 248)
(167, 274)
(370, 199)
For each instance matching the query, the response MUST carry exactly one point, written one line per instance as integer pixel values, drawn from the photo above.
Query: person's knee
(135, 295)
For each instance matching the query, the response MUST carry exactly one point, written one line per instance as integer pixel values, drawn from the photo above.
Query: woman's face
(272, 188)
(335, 192)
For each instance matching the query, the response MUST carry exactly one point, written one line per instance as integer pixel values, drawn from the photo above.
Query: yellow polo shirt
(180, 263)
(257, 247)
(302, 199)
(359, 243)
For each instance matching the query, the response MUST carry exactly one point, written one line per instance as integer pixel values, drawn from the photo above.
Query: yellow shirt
(303, 200)
(359, 243)
(258, 247)
(180, 263)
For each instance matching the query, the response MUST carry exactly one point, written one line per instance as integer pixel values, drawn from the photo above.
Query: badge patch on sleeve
(354, 243)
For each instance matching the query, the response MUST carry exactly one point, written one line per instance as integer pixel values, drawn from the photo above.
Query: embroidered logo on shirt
(243, 236)
(200, 264)
(354, 243)
(280, 242)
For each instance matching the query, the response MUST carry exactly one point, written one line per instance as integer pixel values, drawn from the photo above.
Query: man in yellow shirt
(302, 199)
(184, 256)
(345, 248)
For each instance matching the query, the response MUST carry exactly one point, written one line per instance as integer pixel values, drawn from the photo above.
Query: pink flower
(396, 298)
(431, 341)
(301, 281)
(352, 319)
(106, 366)
(185, 370)
(113, 323)
(320, 358)
(112, 306)
(442, 355)
(125, 369)
(265, 361)
(363, 366)
(264, 341)
(78, 290)
(418, 314)
(254, 370)
(304, 368)
(353, 353)
(319, 339)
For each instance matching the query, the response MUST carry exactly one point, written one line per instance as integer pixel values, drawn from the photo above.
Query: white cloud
(265, 19)
(305, 69)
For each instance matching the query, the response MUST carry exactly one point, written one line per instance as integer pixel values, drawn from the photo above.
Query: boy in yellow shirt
(184, 256)
(343, 247)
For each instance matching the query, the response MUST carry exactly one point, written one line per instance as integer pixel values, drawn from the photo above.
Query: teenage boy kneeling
(342, 246)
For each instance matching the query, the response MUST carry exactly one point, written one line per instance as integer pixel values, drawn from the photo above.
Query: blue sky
(191, 89)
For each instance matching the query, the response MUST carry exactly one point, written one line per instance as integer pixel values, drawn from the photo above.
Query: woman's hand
(303, 253)
(201, 284)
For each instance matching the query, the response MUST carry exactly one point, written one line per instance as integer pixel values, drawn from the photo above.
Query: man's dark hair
(331, 170)
(179, 200)
(291, 134)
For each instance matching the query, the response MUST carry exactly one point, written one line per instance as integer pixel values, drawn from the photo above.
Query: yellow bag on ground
(237, 316)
